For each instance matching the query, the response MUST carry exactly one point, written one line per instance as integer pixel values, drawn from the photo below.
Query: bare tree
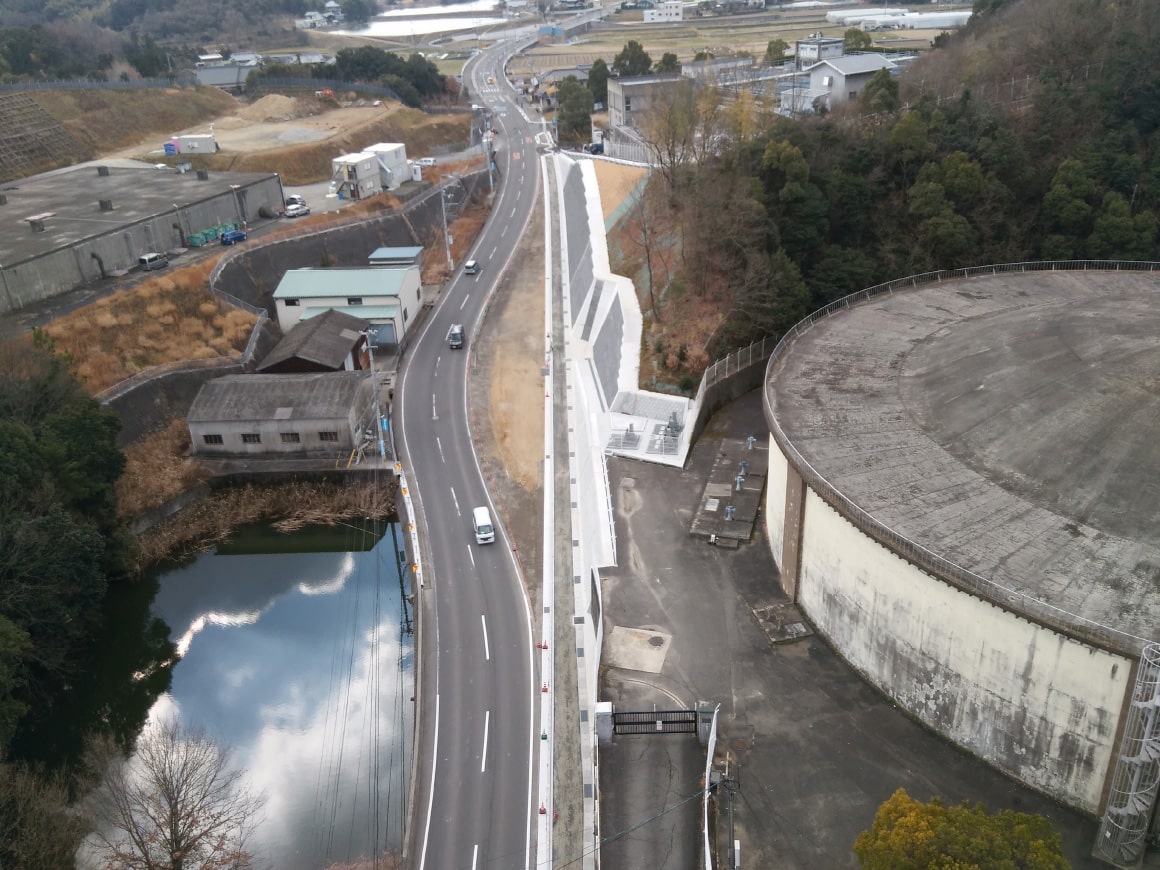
(645, 232)
(177, 804)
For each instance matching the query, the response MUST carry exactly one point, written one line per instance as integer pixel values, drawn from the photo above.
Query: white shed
(392, 160)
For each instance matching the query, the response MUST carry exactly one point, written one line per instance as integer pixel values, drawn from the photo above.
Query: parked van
(149, 262)
(481, 522)
(471, 267)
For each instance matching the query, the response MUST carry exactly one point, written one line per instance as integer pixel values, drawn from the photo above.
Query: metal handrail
(1028, 606)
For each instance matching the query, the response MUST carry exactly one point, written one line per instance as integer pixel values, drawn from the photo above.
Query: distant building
(356, 176)
(392, 162)
(228, 78)
(813, 49)
(304, 414)
(717, 68)
(330, 342)
(385, 296)
(847, 76)
(667, 10)
(631, 97)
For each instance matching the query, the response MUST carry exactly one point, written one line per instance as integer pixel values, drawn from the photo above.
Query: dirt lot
(298, 136)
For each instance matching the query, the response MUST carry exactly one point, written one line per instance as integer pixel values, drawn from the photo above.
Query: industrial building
(387, 297)
(295, 414)
(75, 226)
(960, 499)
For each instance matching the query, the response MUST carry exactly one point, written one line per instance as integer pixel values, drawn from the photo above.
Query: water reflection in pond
(303, 663)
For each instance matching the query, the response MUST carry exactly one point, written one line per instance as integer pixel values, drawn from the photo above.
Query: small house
(304, 414)
(330, 342)
(845, 77)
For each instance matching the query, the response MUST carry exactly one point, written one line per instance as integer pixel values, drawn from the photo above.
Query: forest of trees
(778, 216)
(67, 565)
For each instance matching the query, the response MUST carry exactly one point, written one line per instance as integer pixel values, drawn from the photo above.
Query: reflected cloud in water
(300, 664)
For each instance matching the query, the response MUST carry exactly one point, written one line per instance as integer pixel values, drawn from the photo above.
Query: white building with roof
(668, 10)
(844, 78)
(389, 297)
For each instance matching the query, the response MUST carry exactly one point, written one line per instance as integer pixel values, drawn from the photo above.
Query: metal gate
(655, 722)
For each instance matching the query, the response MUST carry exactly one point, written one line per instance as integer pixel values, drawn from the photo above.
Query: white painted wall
(775, 500)
(1030, 701)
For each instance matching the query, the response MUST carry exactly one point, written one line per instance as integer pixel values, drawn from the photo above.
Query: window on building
(628, 104)
(212, 439)
(419, 294)
(290, 438)
(354, 300)
(404, 315)
(290, 302)
(251, 438)
(328, 436)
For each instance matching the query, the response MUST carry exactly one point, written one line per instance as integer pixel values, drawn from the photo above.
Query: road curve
(475, 805)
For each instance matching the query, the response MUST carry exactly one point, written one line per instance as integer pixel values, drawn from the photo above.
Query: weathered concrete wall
(80, 264)
(154, 402)
(725, 391)
(775, 501)
(253, 274)
(1036, 704)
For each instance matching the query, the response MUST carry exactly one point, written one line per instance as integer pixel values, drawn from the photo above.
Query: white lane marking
(439, 444)
(475, 856)
(513, 214)
(431, 795)
(471, 555)
(493, 250)
(486, 723)
(464, 302)
(486, 645)
(434, 413)
(454, 499)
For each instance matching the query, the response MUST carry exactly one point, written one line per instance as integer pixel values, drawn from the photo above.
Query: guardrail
(1033, 608)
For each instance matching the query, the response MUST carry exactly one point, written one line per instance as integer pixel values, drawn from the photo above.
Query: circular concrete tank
(965, 478)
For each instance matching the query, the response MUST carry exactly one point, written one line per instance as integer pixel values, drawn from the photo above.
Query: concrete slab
(816, 750)
(637, 649)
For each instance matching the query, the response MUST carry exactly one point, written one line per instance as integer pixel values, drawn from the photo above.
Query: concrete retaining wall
(1038, 705)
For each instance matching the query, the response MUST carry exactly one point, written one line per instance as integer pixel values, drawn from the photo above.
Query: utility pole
(446, 234)
(375, 400)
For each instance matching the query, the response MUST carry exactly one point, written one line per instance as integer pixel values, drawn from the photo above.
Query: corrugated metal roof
(256, 398)
(377, 281)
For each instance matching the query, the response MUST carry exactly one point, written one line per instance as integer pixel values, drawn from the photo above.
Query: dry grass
(106, 120)
(157, 470)
(165, 319)
(292, 506)
(464, 231)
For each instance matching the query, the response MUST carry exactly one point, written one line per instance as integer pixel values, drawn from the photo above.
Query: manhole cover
(739, 744)
(656, 641)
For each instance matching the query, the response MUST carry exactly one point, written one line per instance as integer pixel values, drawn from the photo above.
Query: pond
(296, 651)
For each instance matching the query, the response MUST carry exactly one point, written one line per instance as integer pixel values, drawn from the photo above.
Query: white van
(149, 262)
(481, 522)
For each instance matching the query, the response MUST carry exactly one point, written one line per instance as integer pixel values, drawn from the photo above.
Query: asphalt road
(475, 796)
